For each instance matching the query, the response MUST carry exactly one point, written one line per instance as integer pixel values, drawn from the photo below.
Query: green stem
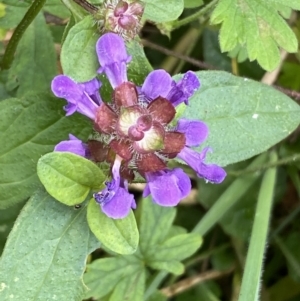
(10, 50)
(194, 16)
(254, 263)
(283, 161)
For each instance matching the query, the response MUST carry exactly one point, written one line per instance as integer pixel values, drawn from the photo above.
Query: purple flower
(160, 83)
(184, 89)
(73, 145)
(210, 172)
(114, 199)
(134, 132)
(167, 187)
(195, 131)
(113, 58)
(82, 97)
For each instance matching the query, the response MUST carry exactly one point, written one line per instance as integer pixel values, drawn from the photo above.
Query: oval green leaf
(119, 235)
(68, 177)
(244, 117)
(78, 54)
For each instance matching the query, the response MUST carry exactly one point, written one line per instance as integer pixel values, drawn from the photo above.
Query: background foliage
(213, 245)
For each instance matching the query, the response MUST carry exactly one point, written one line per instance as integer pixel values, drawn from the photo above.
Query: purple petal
(195, 131)
(184, 89)
(92, 89)
(168, 187)
(74, 145)
(64, 87)
(157, 83)
(78, 99)
(210, 172)
(119, 206)
(113, 57)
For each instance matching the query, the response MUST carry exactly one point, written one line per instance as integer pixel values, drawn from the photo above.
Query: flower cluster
(136, 130)
(122, 17)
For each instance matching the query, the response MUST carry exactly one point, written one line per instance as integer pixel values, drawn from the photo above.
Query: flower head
(135, 132)
(121, 17)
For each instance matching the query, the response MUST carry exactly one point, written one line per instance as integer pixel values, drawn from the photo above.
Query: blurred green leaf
(161, 11)
(290, 247)
(250, 287)
(68, 177)
(14, 12)
(290, 76)
(283, 290)
(244, 117)
(256, 24)
(225, 200)
(119, 235)
(124, 274)
(78, 53)
(192, 3)
(34, 65)
(29, 128)
(46, 252)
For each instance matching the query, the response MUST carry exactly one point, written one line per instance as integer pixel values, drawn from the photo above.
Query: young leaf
(29, 128)
(119, 235)
(68, 177)
(78, 53)
(154, 223)
(256, 24)
(244, 117)
(161, 11)
(105, 275)
(46, 252)
(34, 65)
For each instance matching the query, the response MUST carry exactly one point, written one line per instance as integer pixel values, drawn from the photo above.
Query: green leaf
(154, 223)
(7, 219)
(192, 3)
(139, 67)
(166, 256)
(78, 53)
(46, 252)
(125, 274)
(244, 117)
(254, 263)
(68, 177)
(119, 235)
(257, 25)
(161, 11)
(29, 128)
(34, 65)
